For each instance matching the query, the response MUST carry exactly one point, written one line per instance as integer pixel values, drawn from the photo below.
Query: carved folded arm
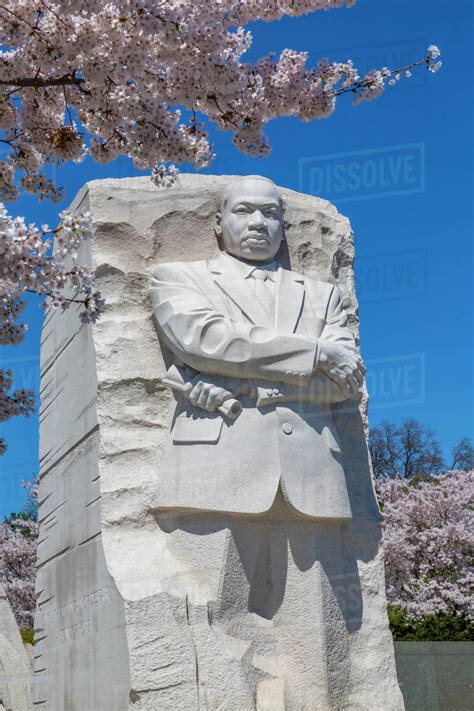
(208, 341)
(337, 355)
(321, 390)
(336, 329)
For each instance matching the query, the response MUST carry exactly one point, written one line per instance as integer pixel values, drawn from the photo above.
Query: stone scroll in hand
(174, 378)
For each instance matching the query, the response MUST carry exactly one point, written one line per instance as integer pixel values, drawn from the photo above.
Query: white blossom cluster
(433, 53)
(18, 547)
(27, 265)
(12, 403)
(137, 78)
(429, 539)
(79, 77)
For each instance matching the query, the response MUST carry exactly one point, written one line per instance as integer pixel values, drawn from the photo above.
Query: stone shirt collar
(246, 269)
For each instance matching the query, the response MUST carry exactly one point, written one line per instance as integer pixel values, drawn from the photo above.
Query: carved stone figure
(209, 534)
(241, 326)
(257, 355)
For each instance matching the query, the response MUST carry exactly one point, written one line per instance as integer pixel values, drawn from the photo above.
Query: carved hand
(210, 392)
(343, 367)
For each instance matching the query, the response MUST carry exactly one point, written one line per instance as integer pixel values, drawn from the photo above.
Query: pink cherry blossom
(18, 544)
(429, 539)
(13, 402)
(140, 79)
(134, 78)
(26, 264)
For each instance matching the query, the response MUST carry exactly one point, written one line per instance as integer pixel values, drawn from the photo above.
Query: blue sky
(400, 168)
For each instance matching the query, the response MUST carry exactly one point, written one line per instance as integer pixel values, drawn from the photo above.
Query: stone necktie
(262, 290)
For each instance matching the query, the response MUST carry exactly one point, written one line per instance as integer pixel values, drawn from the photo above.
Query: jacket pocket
(191, 427)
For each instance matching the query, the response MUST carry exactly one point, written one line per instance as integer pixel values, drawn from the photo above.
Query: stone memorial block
(210, 537)
(15, 670)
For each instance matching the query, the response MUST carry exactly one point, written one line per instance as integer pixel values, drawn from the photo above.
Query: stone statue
(209, 535)
(257, 355)
(242, 326)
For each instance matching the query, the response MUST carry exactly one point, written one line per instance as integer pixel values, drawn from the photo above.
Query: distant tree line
(410, 449)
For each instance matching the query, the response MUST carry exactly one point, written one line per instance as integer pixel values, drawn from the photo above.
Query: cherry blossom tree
(26, 265)
(133, 77)
(429, 538)
(18, 543)
(143, 79)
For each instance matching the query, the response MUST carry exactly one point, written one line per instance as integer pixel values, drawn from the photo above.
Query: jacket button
(287, 428)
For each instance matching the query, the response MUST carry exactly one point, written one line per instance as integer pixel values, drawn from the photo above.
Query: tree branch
(39, 83)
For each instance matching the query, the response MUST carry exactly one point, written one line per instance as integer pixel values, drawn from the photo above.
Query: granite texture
(152, 598)
(15, 670)
(81, 658)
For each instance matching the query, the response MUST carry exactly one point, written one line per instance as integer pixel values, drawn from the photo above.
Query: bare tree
(407, 449)
(463, 455)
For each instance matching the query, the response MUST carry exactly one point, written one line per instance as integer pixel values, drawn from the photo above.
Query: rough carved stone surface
(192, 640)
(15, 670)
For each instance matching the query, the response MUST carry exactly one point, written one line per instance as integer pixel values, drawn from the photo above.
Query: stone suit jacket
(210, 319)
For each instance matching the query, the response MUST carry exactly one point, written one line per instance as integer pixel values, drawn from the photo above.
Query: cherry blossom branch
(104, 80)
(26, 266)
(58, 17)
(186, 53)
(94, 303)
(37, 83)
(428, 60)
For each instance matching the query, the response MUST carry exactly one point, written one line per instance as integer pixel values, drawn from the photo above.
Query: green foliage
(15, 522)
(421, 479)
(21, 516)
(28, 636)
(440, 627)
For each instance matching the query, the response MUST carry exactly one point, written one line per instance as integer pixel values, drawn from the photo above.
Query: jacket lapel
(290, 293)
(230, 281)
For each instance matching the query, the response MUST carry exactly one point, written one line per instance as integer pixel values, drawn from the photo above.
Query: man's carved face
(251, 222)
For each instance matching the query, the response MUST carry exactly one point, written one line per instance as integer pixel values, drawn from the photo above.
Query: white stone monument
(15, 669)
(210, 535)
